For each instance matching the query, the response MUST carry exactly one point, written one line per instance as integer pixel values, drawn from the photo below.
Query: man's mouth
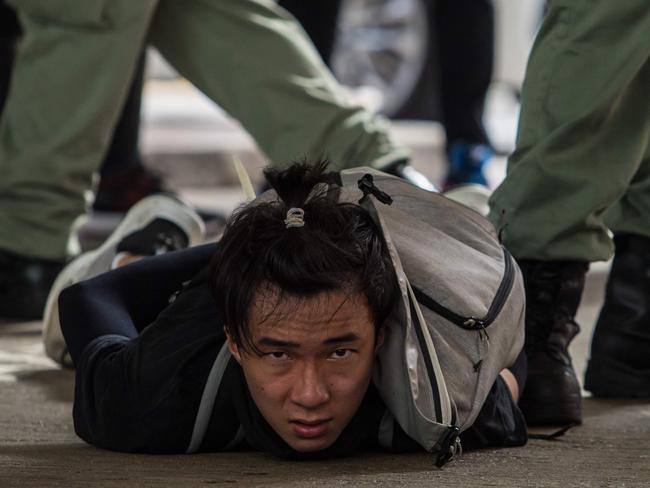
(310, 429)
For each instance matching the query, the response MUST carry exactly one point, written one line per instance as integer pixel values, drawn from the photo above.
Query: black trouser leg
(318, 18)
(9, 34)
(7, 51)
(124, 178)
(464, 32)
(124, 149)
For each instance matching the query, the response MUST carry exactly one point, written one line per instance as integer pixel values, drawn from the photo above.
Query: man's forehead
(271, 301)
(320, 327)
(327, 314)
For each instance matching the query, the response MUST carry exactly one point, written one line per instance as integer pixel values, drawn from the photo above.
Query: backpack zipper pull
(484, 335)
(480, 326)
(483, 339)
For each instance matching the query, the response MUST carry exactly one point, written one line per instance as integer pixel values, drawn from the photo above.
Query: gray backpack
(460, 319)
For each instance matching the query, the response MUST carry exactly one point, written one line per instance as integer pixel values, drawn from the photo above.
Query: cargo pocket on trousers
(74, 13)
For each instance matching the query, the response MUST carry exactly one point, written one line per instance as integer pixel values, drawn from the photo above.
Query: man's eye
(277, 356)
(341, 353)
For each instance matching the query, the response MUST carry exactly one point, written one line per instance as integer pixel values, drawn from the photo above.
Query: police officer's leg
(619, 365)
(70, 77)
(255, 61)
(583, 129)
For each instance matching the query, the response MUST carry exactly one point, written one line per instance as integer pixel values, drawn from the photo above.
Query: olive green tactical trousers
(72, 75)
(582, 161)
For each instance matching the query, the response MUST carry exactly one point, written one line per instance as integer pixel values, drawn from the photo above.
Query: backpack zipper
(437, 401)
(444, 414)
(474, 323)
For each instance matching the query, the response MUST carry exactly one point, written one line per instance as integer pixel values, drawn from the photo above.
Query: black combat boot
(552, 395)
(24, 285)
(620, 350)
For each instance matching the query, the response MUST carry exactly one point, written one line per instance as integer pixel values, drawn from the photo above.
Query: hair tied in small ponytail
(295, 218)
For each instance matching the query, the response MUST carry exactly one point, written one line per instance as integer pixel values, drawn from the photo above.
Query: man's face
(315, 364)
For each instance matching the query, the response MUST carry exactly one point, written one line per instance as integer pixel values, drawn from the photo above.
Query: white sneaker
(100, 260)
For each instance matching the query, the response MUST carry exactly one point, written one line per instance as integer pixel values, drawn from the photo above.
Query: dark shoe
(412, 175)
(119, 190)
(620, 350)
(552, 395)
(24, 285)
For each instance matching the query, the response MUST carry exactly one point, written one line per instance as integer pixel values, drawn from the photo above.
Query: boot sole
(609, 379)
(552, 414)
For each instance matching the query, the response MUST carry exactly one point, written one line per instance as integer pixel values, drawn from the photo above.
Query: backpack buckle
(367, 185)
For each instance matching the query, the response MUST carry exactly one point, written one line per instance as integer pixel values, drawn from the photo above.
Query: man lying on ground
(299, 289)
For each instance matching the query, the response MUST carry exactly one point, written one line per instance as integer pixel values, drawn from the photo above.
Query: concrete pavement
(38, 447)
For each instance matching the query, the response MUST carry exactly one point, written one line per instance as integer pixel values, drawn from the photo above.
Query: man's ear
(234, 350)
(381, 337)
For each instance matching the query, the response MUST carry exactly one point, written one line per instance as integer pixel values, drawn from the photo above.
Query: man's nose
(310, 389)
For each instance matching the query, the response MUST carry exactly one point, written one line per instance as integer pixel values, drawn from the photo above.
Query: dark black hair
(339, 248)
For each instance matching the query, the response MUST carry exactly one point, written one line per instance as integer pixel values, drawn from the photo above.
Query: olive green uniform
(582, 162)
(72, 75)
